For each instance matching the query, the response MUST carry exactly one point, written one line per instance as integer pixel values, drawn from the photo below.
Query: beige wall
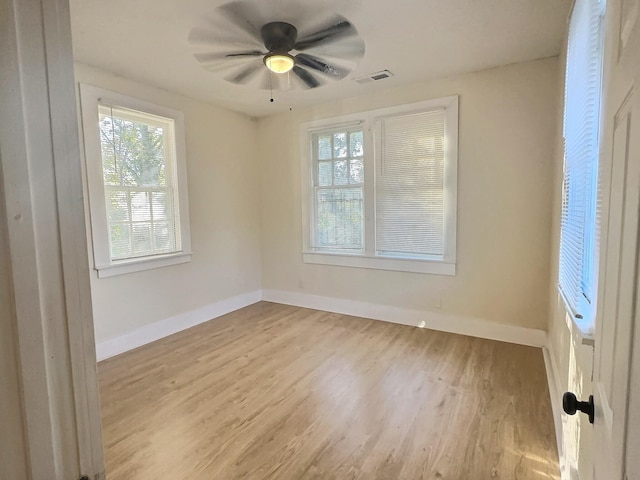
(225, 223)
(506, 137)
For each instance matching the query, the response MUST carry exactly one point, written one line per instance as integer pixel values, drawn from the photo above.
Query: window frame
(368, 258)
(90, 99)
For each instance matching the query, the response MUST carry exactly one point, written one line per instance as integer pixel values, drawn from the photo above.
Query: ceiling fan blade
(350, 49)
(321, 66)
(307, 77)
(212, 57)
(219, 67)
(241, 15)
(341, 29)
(244, 75)
(252, 53)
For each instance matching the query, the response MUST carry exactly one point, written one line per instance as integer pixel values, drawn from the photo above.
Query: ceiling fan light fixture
(279, 63)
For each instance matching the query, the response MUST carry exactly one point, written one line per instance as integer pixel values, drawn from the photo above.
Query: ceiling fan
(263, 50)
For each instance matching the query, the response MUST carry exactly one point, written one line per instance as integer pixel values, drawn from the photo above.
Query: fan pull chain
(271, 88)
(271, 85)
(289, 88)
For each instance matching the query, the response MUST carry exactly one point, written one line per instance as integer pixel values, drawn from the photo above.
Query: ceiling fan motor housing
(279, 37)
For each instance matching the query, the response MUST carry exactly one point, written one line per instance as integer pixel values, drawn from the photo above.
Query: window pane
(132, 151)
(324, 147)
(117, 206)
(141, 238)
(356, 171)
(140, 206)
(119, 241)
(159, 206)
(110, 171)
(356, 146)
(162, 236)
(339, 145)
(325, 173)
(340, 173)
(339, 218)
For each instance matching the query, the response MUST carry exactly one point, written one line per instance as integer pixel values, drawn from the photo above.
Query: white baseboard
(163, 328)
(417, 318)
(436, 321)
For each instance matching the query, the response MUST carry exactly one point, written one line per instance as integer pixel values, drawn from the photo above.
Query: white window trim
(90, 97)
(369, 259)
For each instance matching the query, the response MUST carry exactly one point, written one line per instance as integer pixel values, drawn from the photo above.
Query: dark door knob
(571, 405)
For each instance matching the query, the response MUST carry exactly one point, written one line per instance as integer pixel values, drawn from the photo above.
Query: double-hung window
(338, 189)
(577, 276)
(379, 188)
(135, 165)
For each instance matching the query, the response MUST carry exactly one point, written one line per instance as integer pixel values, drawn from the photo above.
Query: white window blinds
(581, 132)
(410, 175)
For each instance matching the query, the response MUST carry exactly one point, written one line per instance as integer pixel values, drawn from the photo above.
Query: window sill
(138, 265)
(381, 263)
(581, 329)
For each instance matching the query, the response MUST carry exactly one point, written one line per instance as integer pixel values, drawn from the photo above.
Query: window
(380, 188)
(339, 189)
(135, 165)
(578, 250)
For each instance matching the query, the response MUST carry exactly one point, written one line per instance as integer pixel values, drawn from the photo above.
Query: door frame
(45, 224)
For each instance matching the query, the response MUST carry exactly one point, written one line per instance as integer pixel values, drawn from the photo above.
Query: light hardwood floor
(279, 392)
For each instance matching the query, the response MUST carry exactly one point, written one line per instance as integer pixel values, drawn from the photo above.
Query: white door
(618, 280)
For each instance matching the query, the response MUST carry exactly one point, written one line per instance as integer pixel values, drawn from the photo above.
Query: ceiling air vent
(374, 76)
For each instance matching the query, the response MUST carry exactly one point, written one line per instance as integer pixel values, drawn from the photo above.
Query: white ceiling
(146, 40)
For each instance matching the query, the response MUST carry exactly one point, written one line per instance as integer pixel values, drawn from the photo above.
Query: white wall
(506, 138)
(225, 222)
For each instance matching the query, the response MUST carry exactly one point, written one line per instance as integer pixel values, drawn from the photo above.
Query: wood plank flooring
(279, 392)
